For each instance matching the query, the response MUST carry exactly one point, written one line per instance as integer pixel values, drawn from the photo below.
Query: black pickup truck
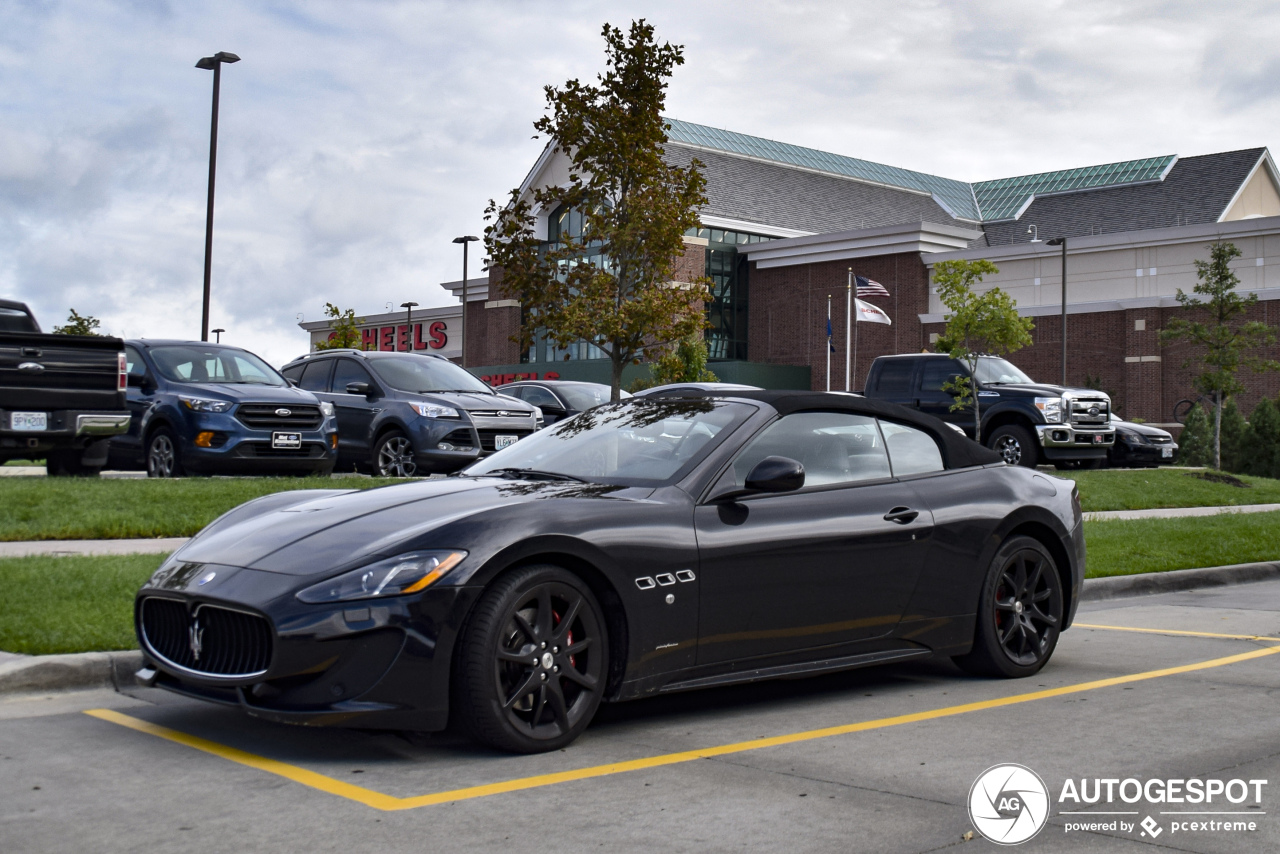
(1025, 421)
(61, 396)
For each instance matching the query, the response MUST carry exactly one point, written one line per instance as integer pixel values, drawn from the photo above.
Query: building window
(727, 311)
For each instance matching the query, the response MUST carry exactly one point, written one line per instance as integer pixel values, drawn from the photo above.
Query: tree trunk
(1217, 431)
(615, 379)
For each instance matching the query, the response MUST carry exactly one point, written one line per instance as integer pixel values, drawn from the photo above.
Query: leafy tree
(78, 324)
(1223, 341)
(1234, 431)
(976, 323)
(1260, 449)
(1196, 442)
(611, 284)
(346, 329)
(686, 362)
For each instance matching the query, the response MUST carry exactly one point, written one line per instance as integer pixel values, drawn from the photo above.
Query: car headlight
(406, 573)
(434, 410)
(1136, 438)
(1051, 408)
(326, 409)
(203, 404)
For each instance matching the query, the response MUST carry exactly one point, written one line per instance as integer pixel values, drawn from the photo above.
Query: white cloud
(358, 138)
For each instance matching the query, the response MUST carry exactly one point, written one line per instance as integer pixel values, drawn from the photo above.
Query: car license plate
(286, 440)
(1167, 453)
(1099, 439)
(29, 422)
(500, 442)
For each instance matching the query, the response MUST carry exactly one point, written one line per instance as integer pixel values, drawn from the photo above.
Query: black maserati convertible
(655, 545)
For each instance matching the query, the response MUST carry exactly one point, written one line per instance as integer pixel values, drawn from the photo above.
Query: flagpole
(828, 347)
(848, 320)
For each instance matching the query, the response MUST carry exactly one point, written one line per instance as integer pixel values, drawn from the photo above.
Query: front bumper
(448, 444)
(379, 664)
(66, 429)
(1065, 442)
(239, 449)
(1124, 453)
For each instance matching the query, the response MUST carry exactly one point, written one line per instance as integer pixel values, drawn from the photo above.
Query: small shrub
(1195, 445)
(1260, 447)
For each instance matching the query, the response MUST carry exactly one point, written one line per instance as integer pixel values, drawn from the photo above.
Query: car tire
(1016, 444)
(393, 456)
(164, 454)
(532, 662)
(1020, 612)
(1092, 465)
(67, 464)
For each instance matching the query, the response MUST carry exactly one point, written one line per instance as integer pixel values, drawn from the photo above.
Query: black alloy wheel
(393, 456)
(164, 457)
(1020, 612)
(533, 661)
(1015, 444)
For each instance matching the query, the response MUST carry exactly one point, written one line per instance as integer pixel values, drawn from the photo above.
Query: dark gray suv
(408, 415)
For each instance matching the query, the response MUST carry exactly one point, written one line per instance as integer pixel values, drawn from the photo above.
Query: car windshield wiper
(533, 473)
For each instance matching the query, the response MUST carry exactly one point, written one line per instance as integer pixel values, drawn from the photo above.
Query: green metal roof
(983, 201)
(1005, 198)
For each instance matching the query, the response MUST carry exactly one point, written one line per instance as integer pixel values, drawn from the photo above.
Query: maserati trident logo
(284, 413)
(195, 639)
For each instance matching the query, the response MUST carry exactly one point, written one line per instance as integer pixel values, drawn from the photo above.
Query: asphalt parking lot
(1176, 686)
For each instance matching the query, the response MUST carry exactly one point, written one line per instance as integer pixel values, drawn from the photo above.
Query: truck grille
(1090, 412)
(266, 416)
(209, 640)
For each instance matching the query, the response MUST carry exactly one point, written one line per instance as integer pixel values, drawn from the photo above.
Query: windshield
(582, 397)
(200, 363)
(15, 320)
(995, 371)
(422, 373)
(639, 442)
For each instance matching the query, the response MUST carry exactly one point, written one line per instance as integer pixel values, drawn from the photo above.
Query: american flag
(869, 287)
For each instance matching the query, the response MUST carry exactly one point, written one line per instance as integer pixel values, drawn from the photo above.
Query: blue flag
(829, 344)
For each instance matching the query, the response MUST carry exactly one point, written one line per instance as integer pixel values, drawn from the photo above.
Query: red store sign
(396, 338)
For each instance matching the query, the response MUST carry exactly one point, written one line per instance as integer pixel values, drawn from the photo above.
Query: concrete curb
(78, 671)
(1149, 583)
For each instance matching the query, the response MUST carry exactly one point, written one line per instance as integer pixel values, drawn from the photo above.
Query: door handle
(901, 515)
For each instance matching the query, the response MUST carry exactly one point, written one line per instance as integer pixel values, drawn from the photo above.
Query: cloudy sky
(358, 138)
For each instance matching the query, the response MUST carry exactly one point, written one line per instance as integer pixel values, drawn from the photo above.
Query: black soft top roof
(958, 451)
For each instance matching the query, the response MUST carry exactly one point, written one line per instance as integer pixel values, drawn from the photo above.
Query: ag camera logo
(1009, 804)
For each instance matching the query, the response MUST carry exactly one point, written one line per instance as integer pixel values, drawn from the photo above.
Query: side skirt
(806, 668)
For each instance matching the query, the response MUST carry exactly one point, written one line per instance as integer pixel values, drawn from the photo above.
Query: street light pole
(217, 332)
(408, 319)
(1062, 241)
(463, 338)
(213, 63)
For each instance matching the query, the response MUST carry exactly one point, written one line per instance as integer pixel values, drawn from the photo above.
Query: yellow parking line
(1177, 632)
(377, 800)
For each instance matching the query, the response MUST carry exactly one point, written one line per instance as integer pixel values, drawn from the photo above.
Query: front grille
(460, 439)
(264, 416)
(212, 640)
(312, 451)
(500, 413)
(1160, 440)
(1090, 412)
(488, 438)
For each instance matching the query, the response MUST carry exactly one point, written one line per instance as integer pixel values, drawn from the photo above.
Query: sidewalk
(1174, 512)
(163, 545)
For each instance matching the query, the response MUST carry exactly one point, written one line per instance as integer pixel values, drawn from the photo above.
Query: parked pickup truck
(1025, 421)
(61, 396)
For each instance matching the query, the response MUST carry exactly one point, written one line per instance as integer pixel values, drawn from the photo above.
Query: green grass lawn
(70, 604)
(38, 508)
(1151, 488)
(1130, 546)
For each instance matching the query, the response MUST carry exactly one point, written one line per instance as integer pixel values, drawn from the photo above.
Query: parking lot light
(408, 336)
(462, 339)
(1062, 241)
(214, 64)
(218, 333)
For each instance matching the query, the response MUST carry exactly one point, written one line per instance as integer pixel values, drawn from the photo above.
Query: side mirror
(359, 388)
(772, 474)
(140, 381)
(553, 411)
(292, 381)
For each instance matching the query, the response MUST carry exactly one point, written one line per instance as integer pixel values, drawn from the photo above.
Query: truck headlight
(1050, 408)
(406, 573)
(434, 410)
(203, 404)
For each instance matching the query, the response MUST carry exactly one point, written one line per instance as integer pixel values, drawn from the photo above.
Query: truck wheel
(1016, 444)
(68, 464)
(164, 458)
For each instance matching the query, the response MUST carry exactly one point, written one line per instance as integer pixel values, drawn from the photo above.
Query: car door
(355, 412)
(553, 409)
(934, 399)
(830, 564)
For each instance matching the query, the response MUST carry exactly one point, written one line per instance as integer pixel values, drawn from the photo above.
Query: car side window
(833, 447)
(294, 373)
(895, 375)
(539, 396)
(938, 371)
(911, 451)
(134, 363)
(349, 371)
(315, 376)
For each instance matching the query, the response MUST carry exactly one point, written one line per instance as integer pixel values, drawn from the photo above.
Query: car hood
(246, 393)
(1044, 389)
(315, 531)
(1141, 429)
(478, 401)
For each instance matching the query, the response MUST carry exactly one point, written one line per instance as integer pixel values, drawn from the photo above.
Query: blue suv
(200, 408)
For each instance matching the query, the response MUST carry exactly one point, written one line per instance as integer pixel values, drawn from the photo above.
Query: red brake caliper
(568, 639)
